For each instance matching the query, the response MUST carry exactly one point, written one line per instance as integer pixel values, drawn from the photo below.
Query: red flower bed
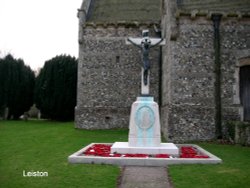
(162, 156)
(190, 152)
(99, 150)
(103, 150)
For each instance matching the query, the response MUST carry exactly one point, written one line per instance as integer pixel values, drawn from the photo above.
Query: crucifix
(145, 43)
(144, 122)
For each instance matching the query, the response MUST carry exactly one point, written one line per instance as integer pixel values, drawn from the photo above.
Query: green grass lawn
(45, 146)
(234, 172)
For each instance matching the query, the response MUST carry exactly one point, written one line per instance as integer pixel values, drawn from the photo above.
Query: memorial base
(144, 124)
(163, 148)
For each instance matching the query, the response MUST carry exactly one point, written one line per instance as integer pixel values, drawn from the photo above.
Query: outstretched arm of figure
(137, 45)
(151, 46)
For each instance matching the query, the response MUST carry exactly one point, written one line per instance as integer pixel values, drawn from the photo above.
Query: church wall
(235, 45)
(188, 110)
(191, 106)
(109, 76)
(109, 71)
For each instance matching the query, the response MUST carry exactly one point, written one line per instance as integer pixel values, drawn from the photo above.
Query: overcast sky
(37, 30)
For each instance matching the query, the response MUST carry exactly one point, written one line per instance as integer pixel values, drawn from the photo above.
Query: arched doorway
(245, 90)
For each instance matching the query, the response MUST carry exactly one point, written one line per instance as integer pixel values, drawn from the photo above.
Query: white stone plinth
(144, 124)
(163, 148)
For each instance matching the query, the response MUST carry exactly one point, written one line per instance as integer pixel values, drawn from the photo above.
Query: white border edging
(77, 157)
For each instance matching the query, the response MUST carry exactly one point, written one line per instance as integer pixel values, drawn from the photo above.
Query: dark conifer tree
(55, 90)
(16, 86)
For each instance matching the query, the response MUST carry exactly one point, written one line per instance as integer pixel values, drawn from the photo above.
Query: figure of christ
(145, 43)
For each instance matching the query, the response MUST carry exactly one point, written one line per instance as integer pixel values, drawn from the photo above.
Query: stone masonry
(184, 83)
(109, 72)
(188, 107)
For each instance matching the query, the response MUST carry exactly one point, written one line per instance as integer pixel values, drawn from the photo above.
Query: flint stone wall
(109, 71)
(109, 76)
(188, 110)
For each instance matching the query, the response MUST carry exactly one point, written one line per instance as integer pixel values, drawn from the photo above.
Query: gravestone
(144, 124)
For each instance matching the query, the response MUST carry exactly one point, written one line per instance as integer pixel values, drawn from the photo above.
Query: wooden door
(245, 91)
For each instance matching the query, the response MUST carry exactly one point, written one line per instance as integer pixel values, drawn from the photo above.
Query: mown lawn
(45, 146)
(234, 172)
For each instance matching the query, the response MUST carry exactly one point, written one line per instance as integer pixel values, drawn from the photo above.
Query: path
(144, 177)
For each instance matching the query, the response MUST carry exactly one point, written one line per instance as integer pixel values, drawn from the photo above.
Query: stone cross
(145, 43)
